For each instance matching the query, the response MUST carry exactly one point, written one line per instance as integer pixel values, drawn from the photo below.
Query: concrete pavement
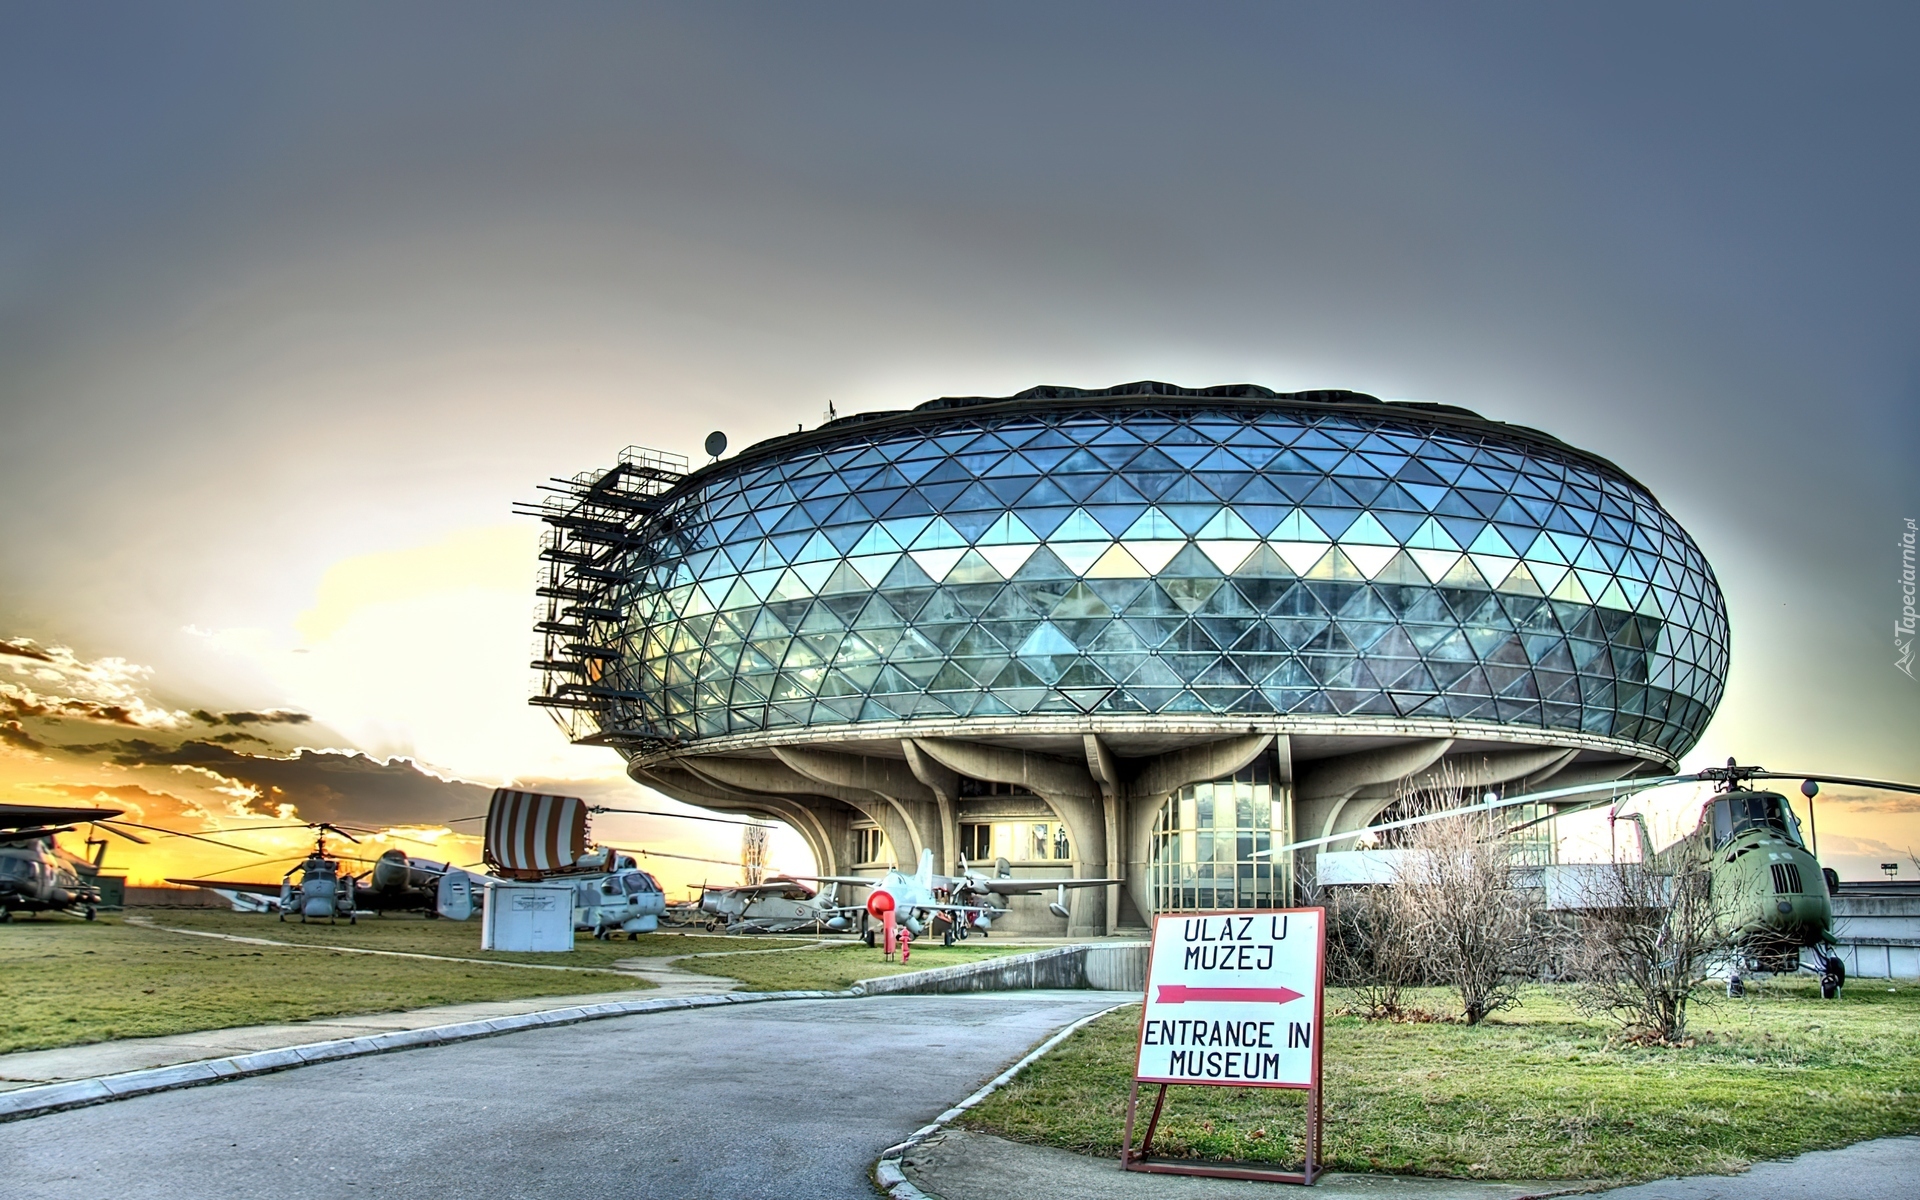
(791, 1099)
(1883, 1169)
(961, 1165)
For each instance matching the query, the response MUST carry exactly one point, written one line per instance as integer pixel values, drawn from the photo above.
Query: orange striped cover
(531, 832)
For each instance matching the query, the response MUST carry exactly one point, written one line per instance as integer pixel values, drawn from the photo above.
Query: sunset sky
(296, 300)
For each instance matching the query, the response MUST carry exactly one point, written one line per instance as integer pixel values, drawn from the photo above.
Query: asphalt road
(789, 1099)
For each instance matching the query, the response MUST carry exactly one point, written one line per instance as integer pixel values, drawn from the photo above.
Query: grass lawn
(835, 968)
(1537, 1092)
(69, 982)
(460, 939)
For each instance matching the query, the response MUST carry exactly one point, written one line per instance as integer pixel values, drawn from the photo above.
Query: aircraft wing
(1023, 887)
(228, 885)
(757, 889)
(854, 880)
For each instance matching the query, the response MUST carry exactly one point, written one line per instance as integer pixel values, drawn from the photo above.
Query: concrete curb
(888, 1173)
(78, 1093)
(1118, 967)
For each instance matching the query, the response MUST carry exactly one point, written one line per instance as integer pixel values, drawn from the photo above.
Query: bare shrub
(1370, 949)
(1474, 930)
(1647, 939)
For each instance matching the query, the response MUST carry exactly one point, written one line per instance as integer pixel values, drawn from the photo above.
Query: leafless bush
(1648, 938)
(1370, 949)
(1474, 930)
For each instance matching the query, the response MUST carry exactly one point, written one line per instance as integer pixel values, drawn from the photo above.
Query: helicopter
(38, 875)
(1776, 897)
(395, 882)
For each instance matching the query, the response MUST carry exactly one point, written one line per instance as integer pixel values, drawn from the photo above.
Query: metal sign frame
(1142, 1159)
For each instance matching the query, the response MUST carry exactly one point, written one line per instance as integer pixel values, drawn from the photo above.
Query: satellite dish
(716, 444)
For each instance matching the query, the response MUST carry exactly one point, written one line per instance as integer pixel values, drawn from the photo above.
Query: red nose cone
(879, 903)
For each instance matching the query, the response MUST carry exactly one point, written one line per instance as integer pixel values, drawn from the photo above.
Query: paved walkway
(28, 1067)
(960, 1165)
(788, 1100)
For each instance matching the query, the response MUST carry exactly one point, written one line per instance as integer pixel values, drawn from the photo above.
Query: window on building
(870, 845)
(1211, 841)
(1016, 841)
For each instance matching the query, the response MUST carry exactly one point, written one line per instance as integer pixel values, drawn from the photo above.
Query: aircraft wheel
(6, 916)
(867, 937)
(712, 925)
(947, 939)
(1832, 978)
(1736, 987)
(632, 937)
(89, 912)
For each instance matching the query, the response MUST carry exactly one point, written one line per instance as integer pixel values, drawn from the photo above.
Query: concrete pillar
(1106, 773)
(945, 786)
(1158, 778)
(1066, 787)
(1469, 774)
(827, 832)
(776, 778)
(1322, 787)
(888, 778)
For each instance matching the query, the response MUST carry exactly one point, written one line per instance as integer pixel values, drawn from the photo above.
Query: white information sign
(1234, 999)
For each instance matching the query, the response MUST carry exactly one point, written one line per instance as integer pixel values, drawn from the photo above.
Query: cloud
(14, 734)
(143, 803)
(23, 648)
(231, 739)
(320, 785)
(271, 716)
(60, 684)
(1866, 800)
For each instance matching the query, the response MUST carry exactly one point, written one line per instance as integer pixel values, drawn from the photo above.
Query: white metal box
(527, 916)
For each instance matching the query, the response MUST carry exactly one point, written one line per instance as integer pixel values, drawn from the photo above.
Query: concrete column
(776, 778)
(1323, 787)
(1106, 773)
(945, 786)
(888, 778)
(1156, 779)
(1469, 774)
(827, 833)
(1066, 787)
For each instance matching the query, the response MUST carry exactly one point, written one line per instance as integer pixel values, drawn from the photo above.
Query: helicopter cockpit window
(1760, 813)
(639, 881)
(1722, 824)
(610, 886)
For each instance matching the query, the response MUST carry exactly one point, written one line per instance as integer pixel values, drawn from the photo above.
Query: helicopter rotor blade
(134, 838)
(1619, 789)
(648, 812)
(1842, 780)
(301, 857)
(172, 833)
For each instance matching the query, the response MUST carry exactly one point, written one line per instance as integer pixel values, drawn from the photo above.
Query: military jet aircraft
(969, 900)
(779, 905)
(38, 875)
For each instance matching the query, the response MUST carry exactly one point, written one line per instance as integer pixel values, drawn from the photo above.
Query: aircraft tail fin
(926, 867)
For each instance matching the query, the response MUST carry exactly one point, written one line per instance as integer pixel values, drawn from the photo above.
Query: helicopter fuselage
(36, 875)
(1771, 889)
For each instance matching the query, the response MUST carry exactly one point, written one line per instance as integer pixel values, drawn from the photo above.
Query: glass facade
(1210, 843)
(1170, 555)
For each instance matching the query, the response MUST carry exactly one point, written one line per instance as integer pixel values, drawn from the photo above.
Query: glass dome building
(1137, 632)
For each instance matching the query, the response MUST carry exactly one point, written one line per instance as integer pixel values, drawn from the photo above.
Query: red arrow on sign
(1180, 993)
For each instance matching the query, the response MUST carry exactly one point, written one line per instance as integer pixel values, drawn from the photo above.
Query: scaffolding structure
(597, 541)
